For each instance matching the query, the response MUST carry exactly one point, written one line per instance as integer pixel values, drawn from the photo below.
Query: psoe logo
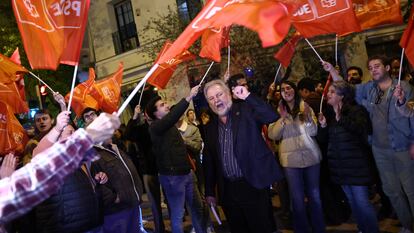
(108, 93)
(328, 3)
(32, 13)
(3, 118)
(66, 13)
(18, 137)
(31, 8)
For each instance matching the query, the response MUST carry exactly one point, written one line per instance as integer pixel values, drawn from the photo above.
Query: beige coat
(297, 148)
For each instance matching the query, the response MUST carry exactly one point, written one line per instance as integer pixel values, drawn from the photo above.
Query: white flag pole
(142, 92)
(317, 54)
(277, 72)
(73, 86)
(401, 64)
(336, 50)
(205, 75)
(31, 73)
(136, 89)
(228, 60)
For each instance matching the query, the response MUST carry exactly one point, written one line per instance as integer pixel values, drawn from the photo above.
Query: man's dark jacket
(168, 145)
(255, 159)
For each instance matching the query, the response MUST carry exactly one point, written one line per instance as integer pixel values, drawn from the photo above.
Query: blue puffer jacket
(400, 128)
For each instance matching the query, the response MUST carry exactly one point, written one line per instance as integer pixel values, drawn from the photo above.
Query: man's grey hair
(218, 82)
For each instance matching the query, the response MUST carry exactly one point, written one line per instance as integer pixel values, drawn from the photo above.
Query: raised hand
(193, 93)
(282, 111)
(8, 166)
(399, 94)
(60, 100)
(101, 178)
(137, 112)
(322, 120)
(103, 127)
(62, 120)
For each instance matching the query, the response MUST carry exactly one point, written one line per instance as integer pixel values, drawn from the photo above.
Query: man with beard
(391, 138)
(237, 159)
(354, 75)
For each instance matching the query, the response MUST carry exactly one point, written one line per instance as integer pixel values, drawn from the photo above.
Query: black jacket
(255, 159)
(74, 208)
(168, 145)
(349, 155)
(123, 181)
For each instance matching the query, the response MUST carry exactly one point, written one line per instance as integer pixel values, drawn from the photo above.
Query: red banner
(372, 13)
(285, 54)
(315, 18)
(407, 37)
(107, 91)
(52, 31)
(212, 41)
(165, 70)
(13, 137)
(81, 98)
(9, 69)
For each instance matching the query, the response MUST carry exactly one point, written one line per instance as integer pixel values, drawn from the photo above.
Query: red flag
(107, 91)
(407, 37)
(212, 41)
(13, 137)
(81, 98)
(372, 13)
(315, 18)
(165, 70)
(9, 94)
(9, 69)
(52, 31)
(268, 18)
(194, 30)
(15, 57)
(285, 53)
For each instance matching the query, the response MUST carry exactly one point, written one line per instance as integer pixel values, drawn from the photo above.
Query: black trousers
(246, 208)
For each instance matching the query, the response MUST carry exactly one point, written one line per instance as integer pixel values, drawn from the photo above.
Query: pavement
(388, 225)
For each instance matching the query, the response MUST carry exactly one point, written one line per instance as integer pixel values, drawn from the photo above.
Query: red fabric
(212, 41)
(15, 57)
(52, 31)
(13, 137)
(326, 88)
(81, 98)
(268, 18)
(8, 70)
(165, 70)
(370, 13)
(315, 18)
(107, 91)
(9, 94)
(407, 37)
(285, 54)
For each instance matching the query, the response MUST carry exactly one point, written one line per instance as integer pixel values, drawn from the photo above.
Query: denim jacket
(400, 128)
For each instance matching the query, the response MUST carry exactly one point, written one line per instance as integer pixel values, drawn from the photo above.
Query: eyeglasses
(380, 94)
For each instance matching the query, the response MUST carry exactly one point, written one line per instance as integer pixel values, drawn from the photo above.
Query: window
(126, 37)
(188, 9)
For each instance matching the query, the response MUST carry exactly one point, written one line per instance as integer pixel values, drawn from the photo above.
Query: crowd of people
(324, 159)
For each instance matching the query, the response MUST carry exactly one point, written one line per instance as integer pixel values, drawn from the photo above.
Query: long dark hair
(296, 106)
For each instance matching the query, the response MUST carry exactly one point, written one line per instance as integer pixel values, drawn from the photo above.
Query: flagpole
(336, 50)
(31, 73)
(277, 72)
(205, 75)
(73, 86)
(401, 64)
(228, 60)
(136, 89)
(142, 92)
(317, 54)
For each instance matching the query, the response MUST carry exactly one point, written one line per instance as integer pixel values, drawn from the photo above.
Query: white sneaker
(405, 230)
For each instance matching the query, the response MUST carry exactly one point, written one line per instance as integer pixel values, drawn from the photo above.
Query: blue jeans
(396, 173)
(362, 209)
(304, 182)
(180, 190)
